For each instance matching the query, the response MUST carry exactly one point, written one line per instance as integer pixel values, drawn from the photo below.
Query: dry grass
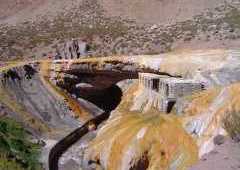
(232, 123)
(233, 18)
(231, 111)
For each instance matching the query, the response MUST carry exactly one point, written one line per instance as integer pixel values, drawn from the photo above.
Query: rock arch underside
(111, 112)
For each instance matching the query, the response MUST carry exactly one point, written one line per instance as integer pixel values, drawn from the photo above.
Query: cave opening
(107, 99)
(104, 92)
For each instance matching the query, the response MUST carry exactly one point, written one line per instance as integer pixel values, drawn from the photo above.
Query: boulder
(219, 140)
(236, 138)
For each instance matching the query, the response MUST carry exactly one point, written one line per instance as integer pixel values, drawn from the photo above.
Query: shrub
(15, 148)
(231, 123)
(6, 164)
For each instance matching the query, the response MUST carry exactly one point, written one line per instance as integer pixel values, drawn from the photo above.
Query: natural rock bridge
(85, 80)
(96, 83)
(26, 84)
(94, 80)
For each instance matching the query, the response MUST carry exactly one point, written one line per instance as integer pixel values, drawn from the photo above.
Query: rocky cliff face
(141, 139)
(32, 101)
(135, 135)
(200, 120)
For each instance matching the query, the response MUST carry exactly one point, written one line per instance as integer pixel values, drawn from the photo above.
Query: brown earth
(35, 28)
(13, 8)
(150, 11)
(158, 11)
(224, 157)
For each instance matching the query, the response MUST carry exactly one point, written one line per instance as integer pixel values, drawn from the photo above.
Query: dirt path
(223, 157)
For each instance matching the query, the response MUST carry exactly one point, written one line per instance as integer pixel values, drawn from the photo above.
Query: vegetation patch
(29, 119)
(231, 111)
(231, 123)
(16, 151)
(233, 18)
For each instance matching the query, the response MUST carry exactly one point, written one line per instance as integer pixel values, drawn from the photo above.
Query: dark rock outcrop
(73, 49)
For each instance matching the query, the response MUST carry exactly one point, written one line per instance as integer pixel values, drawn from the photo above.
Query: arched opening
(107, 99)
(101, 89)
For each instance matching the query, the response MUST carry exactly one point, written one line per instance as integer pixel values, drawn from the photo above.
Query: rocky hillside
(11, 7)
(25, 96)
(142, 11)
(116, 27)
(136, 130)
(158, 11)
(30, 97)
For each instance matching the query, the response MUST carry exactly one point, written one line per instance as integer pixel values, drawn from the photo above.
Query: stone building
(169, 89)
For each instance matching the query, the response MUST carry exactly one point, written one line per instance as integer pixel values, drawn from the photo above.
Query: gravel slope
(37, 28)
(224, 157)
(158, 11)
(143, 11)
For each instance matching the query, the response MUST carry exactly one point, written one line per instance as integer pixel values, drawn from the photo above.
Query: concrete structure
(169, 89)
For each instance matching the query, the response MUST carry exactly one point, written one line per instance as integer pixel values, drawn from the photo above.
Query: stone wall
(169, 88)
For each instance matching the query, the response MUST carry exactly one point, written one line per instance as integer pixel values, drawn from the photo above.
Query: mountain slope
(158, 11)
(38, 28)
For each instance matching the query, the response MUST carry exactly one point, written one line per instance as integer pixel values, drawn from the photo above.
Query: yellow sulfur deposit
(152, 141)
(80, 112)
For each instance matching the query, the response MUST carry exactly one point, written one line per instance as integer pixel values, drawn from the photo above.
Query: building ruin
(169, 89)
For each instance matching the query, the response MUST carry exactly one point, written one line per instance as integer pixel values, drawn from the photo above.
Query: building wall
(169, 89)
